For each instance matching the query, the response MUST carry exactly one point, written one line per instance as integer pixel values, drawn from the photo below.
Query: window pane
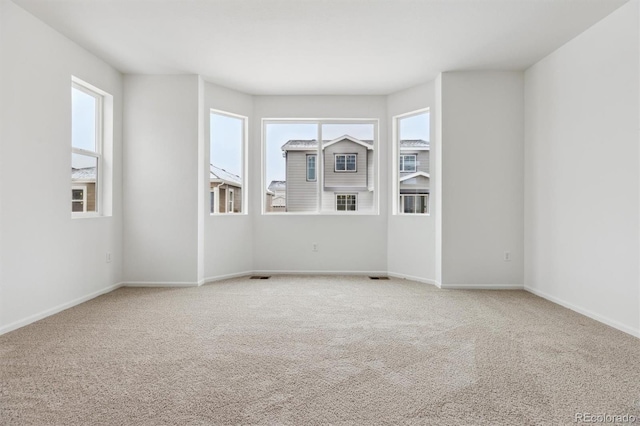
(84, 177)
(351, 162)
(414, 156)
(311, 167)
(286, 148)
(83, 120)
(341, 162)
(226, 142)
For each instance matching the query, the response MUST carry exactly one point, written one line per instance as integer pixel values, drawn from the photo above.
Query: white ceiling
(319, 46)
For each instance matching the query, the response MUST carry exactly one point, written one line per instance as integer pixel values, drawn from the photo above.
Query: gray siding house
(347, 165)
(414, 176)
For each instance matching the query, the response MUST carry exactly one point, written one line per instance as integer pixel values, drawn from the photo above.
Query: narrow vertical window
(413, 156)
(86, 149)
(227, 145)
(311, 167)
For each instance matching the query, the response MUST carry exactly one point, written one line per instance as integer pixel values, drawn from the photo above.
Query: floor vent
(379, 278)
(260, 277)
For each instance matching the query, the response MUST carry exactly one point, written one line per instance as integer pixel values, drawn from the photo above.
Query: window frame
(244, 176)
(315, 167)
(402, 168)
(402, 204)
(396, 206)
(346, 162)
(346, 201)
(82, 188)
(99, 96)
(320, 163)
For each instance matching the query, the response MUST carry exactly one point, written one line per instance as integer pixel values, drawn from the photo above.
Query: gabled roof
(84, 174)
(277, 185)
(414, 144)
(413, 175)
(312, 144)
(366, 144)
(216, 173)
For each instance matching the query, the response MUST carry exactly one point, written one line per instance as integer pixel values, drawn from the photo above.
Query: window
(311, 167)
(345, 163)
(346, 202)
(227, 146)
(87, 142)
(412, 151)
(408, 163)
(308, 161)
(414, 203)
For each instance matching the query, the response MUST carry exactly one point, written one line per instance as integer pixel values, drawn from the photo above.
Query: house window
(308, 161)
(412, 175)
(414, 203)
(87, 123)
(346, 202)
(311, 167)
(345, 162)
(408, 163)
(227, 147)
(78, 199)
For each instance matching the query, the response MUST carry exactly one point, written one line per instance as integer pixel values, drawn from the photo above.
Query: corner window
(308, 161)
(345, 163)
(412, 151)
(311, 167)
(227, 145)
(346, 202)
(87, 144)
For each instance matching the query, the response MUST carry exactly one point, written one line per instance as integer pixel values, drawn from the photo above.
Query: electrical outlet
(314, 247)
(507, 256)
(108, 257)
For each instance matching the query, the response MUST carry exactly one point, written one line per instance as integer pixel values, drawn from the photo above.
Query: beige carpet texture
(301, 350)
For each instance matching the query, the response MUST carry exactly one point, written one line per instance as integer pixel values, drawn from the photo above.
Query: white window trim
(83, 188)
(396, 208)
(375, 122)
(99, 95)
(345, 155)
(315, 167)
(244, 174)
(355, 195)
(230, 199)
(402, 162)
(401, 206)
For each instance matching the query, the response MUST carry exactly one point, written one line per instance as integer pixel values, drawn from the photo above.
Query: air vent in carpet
(260, 277)
(379, 278)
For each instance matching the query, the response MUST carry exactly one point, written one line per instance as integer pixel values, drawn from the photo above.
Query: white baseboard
(290, 272)
(48, 312)
(160, 284)
(586, 312)
(414, 278)
(482, 286)
(225, 277)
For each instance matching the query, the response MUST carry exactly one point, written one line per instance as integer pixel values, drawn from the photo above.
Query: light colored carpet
(316, 350)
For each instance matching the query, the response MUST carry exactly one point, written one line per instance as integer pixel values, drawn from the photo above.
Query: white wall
(346, 243)
(49, 261)
(411, 238)
(481, 156)
(582, 172)
(228, 248)
(161, 179)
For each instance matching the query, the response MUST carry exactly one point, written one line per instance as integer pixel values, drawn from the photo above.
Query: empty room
(307, 212)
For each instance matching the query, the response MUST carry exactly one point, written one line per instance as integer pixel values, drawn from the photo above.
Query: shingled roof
(216, 173)
(311, 144)
(86, 174)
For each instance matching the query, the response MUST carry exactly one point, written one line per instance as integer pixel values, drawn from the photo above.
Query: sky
(83, 123)
(226, 137)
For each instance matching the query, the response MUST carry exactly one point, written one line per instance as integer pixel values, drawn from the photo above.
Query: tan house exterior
(225, 191)
(83, 190)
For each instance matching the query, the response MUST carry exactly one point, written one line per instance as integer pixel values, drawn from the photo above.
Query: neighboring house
(413, 172)
(276, 196)
(83, 190)
(348, 174)
(225, 191)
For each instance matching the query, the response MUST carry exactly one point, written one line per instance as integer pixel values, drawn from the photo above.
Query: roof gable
(349, 138)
